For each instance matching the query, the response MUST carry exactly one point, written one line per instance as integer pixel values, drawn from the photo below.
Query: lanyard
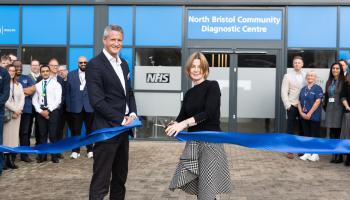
(44, 86)
(306, 93)
(332, 87)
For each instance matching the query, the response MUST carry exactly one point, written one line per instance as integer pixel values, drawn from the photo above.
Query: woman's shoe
(305, 156)
(347, 160)
(11, 164)
(334, 158)
(314, 157)
(339, 158)
(5, 167)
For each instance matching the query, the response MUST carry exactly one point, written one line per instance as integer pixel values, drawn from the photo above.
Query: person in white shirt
(291, 86)
(46, 101)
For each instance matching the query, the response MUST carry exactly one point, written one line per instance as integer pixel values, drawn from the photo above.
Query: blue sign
(9, 24)
(235, 24)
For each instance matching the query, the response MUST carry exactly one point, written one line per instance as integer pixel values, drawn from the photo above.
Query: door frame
(233, 78)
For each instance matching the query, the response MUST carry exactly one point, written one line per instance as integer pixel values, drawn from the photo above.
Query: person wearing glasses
(78, 104)
(54, 65)
(63, 72)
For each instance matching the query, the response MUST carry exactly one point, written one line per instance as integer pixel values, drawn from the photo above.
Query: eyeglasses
(82, 62)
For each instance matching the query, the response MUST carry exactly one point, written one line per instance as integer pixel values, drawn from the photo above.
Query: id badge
(331, 100)
(82, 87)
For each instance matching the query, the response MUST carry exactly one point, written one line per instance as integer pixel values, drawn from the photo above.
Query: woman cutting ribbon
(203, 168)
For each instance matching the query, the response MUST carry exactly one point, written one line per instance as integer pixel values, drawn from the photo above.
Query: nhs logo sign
(157, 77)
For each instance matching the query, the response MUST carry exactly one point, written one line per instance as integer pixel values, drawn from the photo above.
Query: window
(44, 25)
(313, 58)
(9, 20)
(44, 54)
(159, 25)
(81, 25)
(122, 16)
(312, 26)
(158, 57)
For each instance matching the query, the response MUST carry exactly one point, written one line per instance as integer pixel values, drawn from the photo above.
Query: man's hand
(45, 114)
(128, 120)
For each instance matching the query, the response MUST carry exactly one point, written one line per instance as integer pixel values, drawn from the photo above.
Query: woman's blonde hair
(204, 65)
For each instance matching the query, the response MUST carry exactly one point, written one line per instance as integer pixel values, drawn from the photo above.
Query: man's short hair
(110, 28)
(298, 58)
(43, 66)
(5, 57)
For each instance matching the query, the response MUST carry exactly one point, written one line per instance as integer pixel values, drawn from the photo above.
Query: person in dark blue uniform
(310, 110)
(25, 125)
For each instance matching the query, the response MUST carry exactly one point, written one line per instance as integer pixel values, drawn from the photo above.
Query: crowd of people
(48, 100)
(304, 99)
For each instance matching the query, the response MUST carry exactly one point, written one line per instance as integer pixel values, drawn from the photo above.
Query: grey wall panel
(101, 20)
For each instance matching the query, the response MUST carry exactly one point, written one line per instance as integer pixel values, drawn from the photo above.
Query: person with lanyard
(25, 125)
(78, 104)
(333, 106)
(290, 90)
(310, 111)
(46, 101)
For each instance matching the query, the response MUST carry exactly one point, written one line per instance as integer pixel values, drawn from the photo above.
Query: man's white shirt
(53, 92)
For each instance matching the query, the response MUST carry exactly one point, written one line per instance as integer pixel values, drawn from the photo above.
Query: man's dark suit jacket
(106, 92)
(4, 88)
(76, 99)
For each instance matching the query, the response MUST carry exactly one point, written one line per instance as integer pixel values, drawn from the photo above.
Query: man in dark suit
(78, 104)
(4, 95)
(111, 96)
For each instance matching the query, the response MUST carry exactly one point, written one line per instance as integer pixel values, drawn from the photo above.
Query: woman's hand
(308, 116)
(174, 128)
(304, 116)
(14, 115)
(18, 112)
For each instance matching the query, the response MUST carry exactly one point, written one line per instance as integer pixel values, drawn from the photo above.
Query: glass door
(255, 96)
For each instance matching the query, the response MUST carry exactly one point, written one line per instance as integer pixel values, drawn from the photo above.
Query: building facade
(249, 45)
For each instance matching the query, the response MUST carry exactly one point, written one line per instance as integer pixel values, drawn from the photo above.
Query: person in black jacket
(203, 168)
(113, 101)
(345, 125)
(4, 95)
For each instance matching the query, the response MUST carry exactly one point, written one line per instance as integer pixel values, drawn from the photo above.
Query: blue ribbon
(279, 142)
(72, 142)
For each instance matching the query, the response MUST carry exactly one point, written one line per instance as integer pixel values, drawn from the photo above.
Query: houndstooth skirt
(202, 170)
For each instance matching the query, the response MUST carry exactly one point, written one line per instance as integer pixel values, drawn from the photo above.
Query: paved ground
(255, 174)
